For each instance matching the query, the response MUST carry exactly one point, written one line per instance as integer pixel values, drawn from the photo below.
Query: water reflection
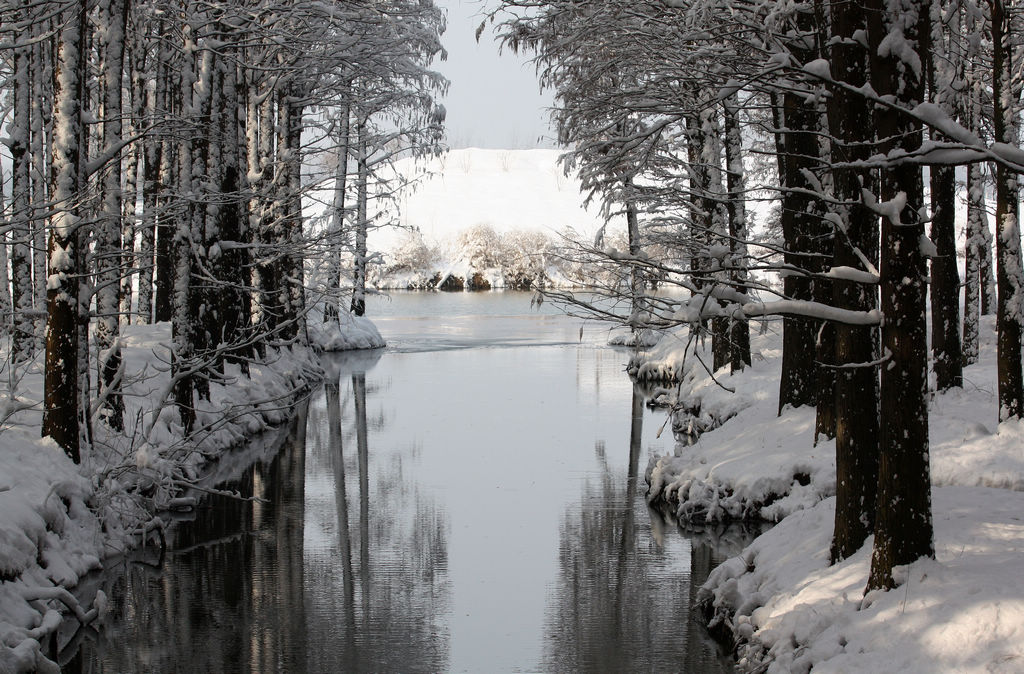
(381, 571)
(618, 598)
(229, 603)
(449, 510)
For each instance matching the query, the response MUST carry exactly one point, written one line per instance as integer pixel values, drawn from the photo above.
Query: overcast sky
(494, 100)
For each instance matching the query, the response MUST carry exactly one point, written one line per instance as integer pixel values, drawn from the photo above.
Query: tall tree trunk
(362, 179)
(61, 384)
(1009, 274)
(717, 219)
(183, 323)
(855, 245)
(22, 338)
(798, 145)
(290, 200)
(697, 177)
(637, 308)
(6, 317)
(42, 128)
(988, 278)
(267, 281)
(168, 207)
(825, 339)
(739, 329)
(903, 525)
(108, 239)
(232, 261)
(336, 234)
(945, 278)
(239, 260)
(136, 85)
(976, 222)
(152, 149)
(283, 258)
(945, 285)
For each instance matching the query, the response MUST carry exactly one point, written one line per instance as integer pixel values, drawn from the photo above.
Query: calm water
(467, 500)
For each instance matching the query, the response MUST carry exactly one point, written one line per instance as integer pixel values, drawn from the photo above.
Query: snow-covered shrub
(412, 254)
(481, 247)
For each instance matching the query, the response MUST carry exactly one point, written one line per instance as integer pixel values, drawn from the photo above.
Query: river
(468, 500)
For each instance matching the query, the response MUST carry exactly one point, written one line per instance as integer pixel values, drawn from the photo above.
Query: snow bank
(59, 520)
(758, 465)
(778, 599)
(762, 465)
(48, 537)
(962, 612)
(349, 333)
(627, 337)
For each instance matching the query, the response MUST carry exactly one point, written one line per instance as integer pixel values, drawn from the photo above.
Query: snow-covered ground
(58, 521)
(789, 610)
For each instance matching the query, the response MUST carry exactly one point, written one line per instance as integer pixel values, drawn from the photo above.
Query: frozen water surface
(465, 501)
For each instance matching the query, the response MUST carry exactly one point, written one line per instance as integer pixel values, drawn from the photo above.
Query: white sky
(494, 100)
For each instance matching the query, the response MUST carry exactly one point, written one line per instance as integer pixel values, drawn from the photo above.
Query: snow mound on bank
(750, 462)
(747, 461)
(349, 333)
(963, 612)
(627, 337)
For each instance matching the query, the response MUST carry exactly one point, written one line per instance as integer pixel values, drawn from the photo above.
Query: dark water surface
(469, 500)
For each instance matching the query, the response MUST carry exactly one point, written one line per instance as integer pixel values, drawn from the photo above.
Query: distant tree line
(162, 157)
(854, 116)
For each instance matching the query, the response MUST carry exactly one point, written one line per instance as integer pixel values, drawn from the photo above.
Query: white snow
(962, 612)
(58, 521)
(349, 333)
(507, 190)
(790, 611)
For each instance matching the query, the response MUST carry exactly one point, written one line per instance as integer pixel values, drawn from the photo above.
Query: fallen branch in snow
(58, 593)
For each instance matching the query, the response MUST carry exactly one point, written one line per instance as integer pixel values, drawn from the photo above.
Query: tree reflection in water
(235, 593)
(381, 571)
(230, 593)
(618, 604)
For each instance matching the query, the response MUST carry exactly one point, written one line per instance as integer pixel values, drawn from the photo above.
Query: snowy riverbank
(787, 609)
(58, 521)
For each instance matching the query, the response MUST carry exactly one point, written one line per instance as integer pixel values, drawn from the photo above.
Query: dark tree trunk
(332, 307)
(109, 244)
(168, 212)
(945, 279)
(151, 159)
(716, 222)
(23, 333)
(267, 267)
(856, 387)
(976, 223)
(945, 286)
(1009, 275)
(801, 225)
(739, 330)
(903, 525)
(61, 383)
(294, 221)
(232, 263)
(42, 118)
(636, 277)
(358, 305)
(988, 279)
(183, 320)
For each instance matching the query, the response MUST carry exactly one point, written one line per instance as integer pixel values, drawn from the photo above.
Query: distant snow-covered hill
(507, 190)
